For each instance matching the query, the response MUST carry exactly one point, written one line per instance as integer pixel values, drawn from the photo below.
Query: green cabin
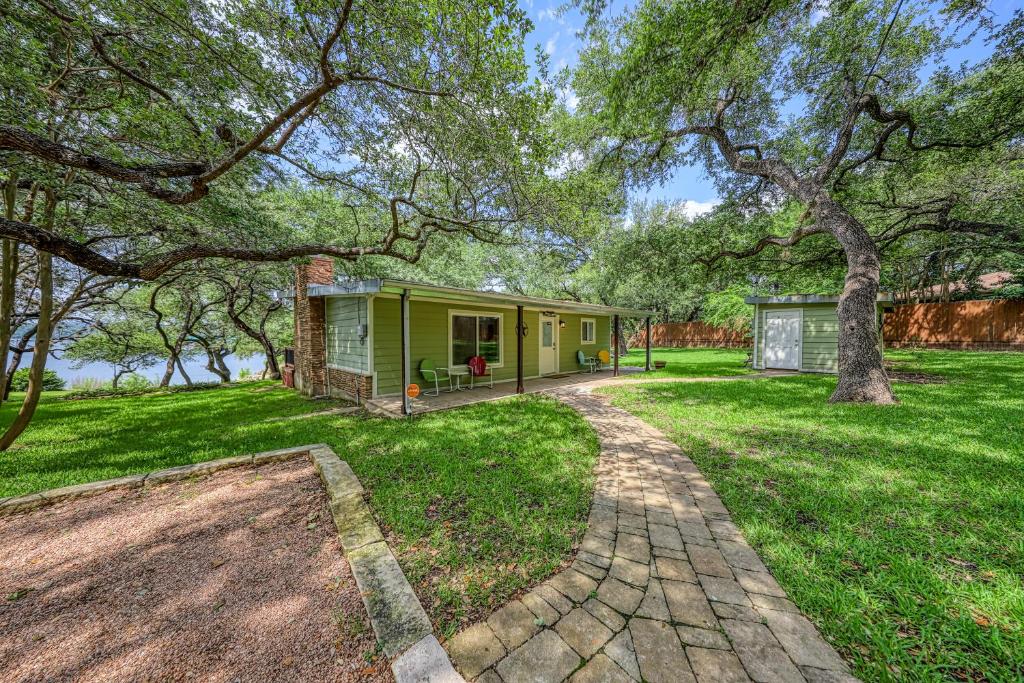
(800, 332)
(349, 335)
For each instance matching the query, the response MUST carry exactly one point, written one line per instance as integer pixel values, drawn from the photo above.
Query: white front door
(548, 345)
(782, 340)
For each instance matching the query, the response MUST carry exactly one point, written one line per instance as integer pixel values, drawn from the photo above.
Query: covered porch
(393, 406)
(545, 314)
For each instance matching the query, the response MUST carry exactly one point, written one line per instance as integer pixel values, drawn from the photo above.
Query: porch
(391, 406)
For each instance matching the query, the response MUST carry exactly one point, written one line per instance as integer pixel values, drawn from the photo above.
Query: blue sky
(555, 34)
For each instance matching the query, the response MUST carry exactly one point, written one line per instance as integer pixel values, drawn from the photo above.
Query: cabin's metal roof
(387, 286)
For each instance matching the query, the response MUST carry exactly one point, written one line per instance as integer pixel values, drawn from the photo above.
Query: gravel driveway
(233, 577)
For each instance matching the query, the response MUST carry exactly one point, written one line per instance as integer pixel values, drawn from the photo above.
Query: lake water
(196, 369)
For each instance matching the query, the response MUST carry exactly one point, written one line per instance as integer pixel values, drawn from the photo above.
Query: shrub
(87, 383)
(244, 373)
(134, 382)
(51, 380)
(108, 391)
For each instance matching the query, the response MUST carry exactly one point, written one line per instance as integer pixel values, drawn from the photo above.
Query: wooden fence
(996, 325)
(695, 334)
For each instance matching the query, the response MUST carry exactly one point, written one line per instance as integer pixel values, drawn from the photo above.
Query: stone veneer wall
(310, 360)
(350, 385)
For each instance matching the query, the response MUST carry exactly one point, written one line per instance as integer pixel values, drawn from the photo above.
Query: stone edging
(399, 621)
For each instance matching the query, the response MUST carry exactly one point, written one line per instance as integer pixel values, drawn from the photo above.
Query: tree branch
(90, 259)
(772, 240)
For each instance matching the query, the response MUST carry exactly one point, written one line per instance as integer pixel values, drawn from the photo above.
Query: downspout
(406, 401)
(757, 321)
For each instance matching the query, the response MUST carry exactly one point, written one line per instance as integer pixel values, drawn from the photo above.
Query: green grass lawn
(478, 502)
(899, 530)
(690, 362)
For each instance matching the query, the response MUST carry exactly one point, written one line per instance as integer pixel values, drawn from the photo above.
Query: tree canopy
(161, 125)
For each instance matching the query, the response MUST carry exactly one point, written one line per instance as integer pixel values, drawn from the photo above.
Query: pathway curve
(663, 588)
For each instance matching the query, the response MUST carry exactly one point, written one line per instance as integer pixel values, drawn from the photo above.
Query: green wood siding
(569, 339)
(819, 336)
(428, 331)
(344, 347)
(387, 344)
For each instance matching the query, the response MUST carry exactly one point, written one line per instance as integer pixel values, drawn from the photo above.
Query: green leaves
(418, 116)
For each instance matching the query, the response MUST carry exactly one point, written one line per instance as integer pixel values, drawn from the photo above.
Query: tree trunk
(16, 357)
(258, 335)
(117, 378)
(272, 369)
(862, 377)
(181, 369)
(41, 350)
(215, 364)
(11, 369)
(225, 371)
(169, 369)
(8, 273)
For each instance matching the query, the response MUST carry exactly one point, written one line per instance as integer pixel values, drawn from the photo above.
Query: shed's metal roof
(805, 299)
(386, 286)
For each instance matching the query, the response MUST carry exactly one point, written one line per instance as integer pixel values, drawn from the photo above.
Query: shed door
(782, 340)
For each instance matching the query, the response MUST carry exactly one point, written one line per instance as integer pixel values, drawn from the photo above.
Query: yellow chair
(603, 357)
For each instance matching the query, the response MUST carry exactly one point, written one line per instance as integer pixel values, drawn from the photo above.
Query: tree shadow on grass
(479, 501)
(71, 442)
(899, 529)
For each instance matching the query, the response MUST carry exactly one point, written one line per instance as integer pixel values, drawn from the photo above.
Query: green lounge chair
(432, 373)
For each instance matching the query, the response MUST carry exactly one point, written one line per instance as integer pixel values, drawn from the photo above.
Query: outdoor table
(457, 374)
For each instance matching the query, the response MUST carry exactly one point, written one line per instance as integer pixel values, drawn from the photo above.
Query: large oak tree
(821, 106)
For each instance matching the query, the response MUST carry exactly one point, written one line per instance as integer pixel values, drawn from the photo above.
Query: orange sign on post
(412, 391)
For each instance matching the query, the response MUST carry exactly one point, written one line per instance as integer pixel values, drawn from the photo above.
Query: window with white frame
(474, 334)
(588, 331)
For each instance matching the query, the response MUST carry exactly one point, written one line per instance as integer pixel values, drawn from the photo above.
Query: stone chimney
(310, 355)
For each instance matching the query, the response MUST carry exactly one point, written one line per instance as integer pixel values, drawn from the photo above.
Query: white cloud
(550, 14)
(569, 98)
(551, 45)
(692, 208)
(565, 164)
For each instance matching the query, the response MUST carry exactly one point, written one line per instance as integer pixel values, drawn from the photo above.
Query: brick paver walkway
(663, 588)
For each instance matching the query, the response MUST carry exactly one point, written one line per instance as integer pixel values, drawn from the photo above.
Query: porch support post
(406, 372)
(519, 351)
(647, 322)
(615, 325)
